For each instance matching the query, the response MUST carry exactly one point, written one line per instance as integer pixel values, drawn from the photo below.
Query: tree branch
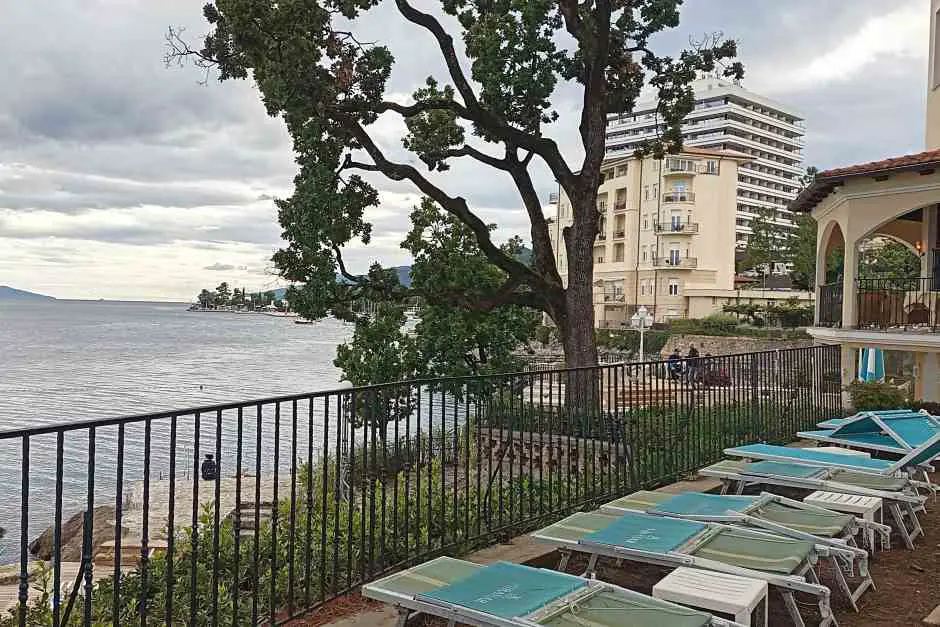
(475, 112)
(342, 267)
(482, 157)
(456, 206)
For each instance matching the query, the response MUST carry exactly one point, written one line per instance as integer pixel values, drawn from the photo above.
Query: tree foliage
(764, 247)
(493, 106)
(801, 252)
(888, 260)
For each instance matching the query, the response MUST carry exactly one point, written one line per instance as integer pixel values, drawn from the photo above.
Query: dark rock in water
(73, 533)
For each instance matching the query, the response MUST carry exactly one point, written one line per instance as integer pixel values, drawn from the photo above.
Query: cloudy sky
(121, 178)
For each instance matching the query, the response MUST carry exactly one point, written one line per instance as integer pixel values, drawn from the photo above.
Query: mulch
(908, 586)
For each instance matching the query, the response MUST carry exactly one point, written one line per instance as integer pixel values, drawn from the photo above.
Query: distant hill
(10, 293)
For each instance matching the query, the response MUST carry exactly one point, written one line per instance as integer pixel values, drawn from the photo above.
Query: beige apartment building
(667, 237)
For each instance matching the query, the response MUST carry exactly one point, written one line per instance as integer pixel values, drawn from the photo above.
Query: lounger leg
(793, 610)
(403, 613)
(902, 526)
(844, 584)
(452, 623)
(915, 522)
(725, 486)
(563, 562)
(591, 567)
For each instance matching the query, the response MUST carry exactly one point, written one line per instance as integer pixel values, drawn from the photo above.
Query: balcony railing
(681, 228)
(678, 197)
(620, 205)
(307, 497)
(888, 303)
(830, 305)
(679, 168)
(602, 236)
(675, 262)
(619, 234)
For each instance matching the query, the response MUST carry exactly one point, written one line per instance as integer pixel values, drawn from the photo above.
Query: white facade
(729, 117)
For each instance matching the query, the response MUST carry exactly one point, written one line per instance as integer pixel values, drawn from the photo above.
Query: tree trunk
(576, 328)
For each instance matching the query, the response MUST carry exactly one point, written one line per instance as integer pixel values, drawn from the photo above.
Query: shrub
(873, 395)
(932, 407)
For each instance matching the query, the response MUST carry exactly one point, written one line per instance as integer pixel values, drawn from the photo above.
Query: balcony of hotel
(887, 304)
(676, 228)
(675, 262)
(676, 197)
(620, 206)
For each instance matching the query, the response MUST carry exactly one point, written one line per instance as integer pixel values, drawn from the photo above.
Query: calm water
(64, 361)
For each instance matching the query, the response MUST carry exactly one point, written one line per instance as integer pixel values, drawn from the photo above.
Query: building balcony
(611, 298)
(619, 234)
(678, 167)
(673, 228)
(675, 197)
(602, 237)
(675, 262)
(889, 304)
(620, 205)
(894, 305)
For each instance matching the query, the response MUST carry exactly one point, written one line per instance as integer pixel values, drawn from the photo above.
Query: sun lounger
(510, 595)
(772, 513)
(913, 459)
(898, 434)
(898, 494)
(885, 414)
(781, 562)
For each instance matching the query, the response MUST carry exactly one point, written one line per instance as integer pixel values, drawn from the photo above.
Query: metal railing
(673, 228)
(829, 303)
(678, 197)
(675, 262)
(620, 205)
(888, 303)
(306, 497)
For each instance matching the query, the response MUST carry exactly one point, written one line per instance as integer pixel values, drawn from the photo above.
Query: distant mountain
(404, 275)
(10, 293)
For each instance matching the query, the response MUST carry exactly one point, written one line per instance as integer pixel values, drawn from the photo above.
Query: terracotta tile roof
(827, 180)
(921, 158)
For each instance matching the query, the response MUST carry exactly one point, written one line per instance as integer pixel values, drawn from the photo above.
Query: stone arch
(831, 237)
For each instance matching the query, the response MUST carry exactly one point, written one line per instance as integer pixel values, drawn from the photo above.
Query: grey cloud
(221, 267)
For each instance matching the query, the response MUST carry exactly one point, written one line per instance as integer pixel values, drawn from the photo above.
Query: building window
(646, 222)
(673, 287)
(643, 254)
(674, 257)
(646, 192)
(621, 170)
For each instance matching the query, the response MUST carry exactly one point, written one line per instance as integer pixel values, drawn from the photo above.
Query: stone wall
(719, 345)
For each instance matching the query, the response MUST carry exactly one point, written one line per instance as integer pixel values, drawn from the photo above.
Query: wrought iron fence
(830, 305)
(256, 512)
(899, 303)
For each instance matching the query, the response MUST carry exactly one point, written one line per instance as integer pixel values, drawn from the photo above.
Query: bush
(720, 322)
(873, 395)
(931, 407)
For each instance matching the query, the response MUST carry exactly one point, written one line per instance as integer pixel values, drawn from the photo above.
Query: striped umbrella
(871, 364)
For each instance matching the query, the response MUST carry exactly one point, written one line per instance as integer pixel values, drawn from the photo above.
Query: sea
(66, 361)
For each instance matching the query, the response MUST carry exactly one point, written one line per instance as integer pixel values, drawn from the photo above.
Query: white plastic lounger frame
(900, 505)
(842, 552)
(914, 459)
(803, 580)
(413, 603)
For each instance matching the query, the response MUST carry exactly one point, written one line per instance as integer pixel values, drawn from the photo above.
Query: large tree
(314, 69)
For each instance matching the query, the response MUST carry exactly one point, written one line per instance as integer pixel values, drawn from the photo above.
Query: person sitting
(674, 365)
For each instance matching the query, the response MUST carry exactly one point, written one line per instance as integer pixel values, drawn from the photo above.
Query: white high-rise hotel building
(729, 117)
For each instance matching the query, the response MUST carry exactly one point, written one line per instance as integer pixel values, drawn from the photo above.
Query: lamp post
(641, 321)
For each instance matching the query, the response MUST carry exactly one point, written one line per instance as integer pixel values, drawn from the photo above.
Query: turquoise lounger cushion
(914, 431)
(782, 469)
(646, 533)
(699, 504)
(860, 440)
(759, 451)
(507, 590)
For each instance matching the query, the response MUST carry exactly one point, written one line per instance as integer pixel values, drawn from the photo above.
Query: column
(821, 246)
(928, 238)
(849, 298)
(848, 369)
(927, 383)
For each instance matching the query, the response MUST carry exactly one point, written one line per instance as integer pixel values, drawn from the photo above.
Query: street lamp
(641, 321)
